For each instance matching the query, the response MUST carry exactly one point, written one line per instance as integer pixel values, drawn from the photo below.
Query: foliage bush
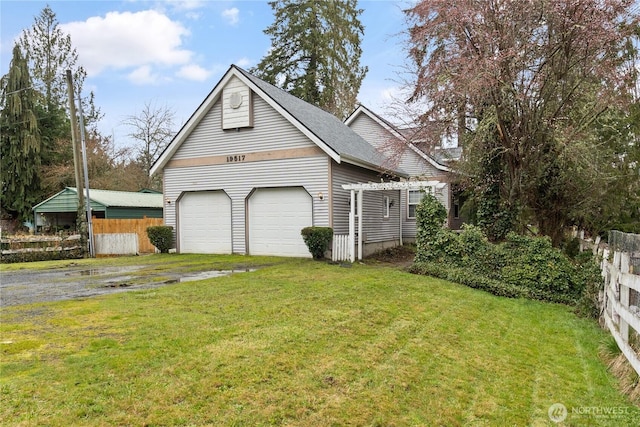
(317, 240)
(521, 266)
(571, 247)
(430, 218)
(161, 236)
(588, 304)
(468, 278)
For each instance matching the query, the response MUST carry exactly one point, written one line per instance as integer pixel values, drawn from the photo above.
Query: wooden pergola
(357, 190)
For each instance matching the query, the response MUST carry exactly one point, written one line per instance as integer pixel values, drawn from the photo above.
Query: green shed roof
(66, 200)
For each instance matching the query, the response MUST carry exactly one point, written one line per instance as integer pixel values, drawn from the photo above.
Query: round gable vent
(235, 100)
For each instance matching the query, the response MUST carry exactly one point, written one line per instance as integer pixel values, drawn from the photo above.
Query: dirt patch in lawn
(399, 256)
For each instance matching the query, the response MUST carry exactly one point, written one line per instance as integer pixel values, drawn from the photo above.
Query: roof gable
(397, 133)
(328, 132)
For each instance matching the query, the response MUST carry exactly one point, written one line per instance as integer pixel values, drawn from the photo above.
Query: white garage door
(276, 217)
(205, 223)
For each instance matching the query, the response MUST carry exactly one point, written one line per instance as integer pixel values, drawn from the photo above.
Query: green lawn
(303, 343)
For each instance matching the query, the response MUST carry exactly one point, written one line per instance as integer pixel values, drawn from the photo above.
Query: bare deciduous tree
(534, 76)
(153, 129)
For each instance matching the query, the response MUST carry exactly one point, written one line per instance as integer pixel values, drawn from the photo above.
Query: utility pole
(92, 251)
(77, 156)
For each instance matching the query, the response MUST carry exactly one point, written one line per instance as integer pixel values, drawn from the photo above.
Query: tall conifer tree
(20, 141)
(315, 52)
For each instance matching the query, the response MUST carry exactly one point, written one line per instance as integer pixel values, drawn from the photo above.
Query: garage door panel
(276, 216)
(205, 222)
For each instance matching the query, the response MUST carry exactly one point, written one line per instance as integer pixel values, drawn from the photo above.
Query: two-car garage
(272, 220)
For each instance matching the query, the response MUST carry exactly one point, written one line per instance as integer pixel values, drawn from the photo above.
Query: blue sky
(172, 53)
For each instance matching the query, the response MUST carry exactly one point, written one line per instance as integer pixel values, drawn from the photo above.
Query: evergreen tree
(20, 140)
(315, 52)
(50, 53)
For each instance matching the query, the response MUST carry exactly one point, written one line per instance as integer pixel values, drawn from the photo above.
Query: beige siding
(404, 157)
(242, 115)
(238, 180)
(271, 134)
(376, 228)
(409, 226)
(407, 159)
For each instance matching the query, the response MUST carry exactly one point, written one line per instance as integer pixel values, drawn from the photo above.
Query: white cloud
(244, 62)
(122, 40)
(193, 72)
(181, 5)
(144, 76)
(231, 15)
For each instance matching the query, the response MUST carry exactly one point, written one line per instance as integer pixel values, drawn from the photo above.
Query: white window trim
(386, 206)
(427, 190)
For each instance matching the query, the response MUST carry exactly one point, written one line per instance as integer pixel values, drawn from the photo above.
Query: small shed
(59, 211)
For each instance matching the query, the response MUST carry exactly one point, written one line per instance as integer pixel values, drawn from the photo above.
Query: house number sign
(236, 158)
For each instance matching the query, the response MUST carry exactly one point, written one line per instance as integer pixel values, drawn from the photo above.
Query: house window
(414, 197)
(386, 206)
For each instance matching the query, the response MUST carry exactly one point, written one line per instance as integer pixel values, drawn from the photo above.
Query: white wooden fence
(621, 313)
(340, 249)
(116, 244)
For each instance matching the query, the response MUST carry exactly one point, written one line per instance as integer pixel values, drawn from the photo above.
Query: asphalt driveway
(31, 286)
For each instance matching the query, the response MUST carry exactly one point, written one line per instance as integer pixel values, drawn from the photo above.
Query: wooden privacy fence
(122, 226)
(621, 299)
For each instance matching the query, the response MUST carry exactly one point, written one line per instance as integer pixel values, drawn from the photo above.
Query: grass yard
(303, 343)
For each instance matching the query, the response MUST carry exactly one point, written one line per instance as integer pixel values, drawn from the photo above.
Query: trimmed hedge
(161, 236)
(317, 240)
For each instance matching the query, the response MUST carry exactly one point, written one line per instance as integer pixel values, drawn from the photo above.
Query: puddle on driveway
(102, 271)
(211, 274)
(24, 287)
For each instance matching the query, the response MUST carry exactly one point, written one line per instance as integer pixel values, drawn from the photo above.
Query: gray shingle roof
(327, 127)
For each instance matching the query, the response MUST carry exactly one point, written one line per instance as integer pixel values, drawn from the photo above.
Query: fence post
(624, 293)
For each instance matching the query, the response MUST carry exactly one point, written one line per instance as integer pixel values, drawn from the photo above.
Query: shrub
(588, 269)
(521, 266)
(430, 217)
(571, 247)
(317, 240)
(468, 278)
(161, 236)
(532, 262)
